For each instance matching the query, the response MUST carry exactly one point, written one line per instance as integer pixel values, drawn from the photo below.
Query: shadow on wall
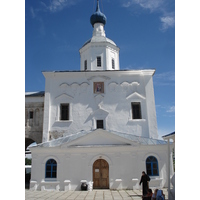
(116, 184)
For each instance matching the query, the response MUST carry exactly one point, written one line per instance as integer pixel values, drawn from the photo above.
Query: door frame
(108, 184)
(104, 157)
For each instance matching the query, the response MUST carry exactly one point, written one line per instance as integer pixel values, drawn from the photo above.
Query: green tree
(28, 161)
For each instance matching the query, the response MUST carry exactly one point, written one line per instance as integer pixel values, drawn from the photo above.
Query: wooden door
(100, 174)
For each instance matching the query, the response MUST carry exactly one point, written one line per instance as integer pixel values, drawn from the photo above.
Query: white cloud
(127, 4)
(165, 78)
(171, 109)
(150, 4)
(147, 4)
(170, 75)
(167, 22)
(53, 6)
(57, 5)
(165, 110)
(167, 19)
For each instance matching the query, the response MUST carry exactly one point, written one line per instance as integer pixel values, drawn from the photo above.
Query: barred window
(51, 169)
(31, 115)
(136, 110)
(64, 111)
(100, 124)
(152, 166)
(98, 61)
(113, 64)
(85, 65)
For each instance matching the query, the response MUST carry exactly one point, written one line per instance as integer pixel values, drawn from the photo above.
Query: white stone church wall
(113, 106)
(75, 165)
(106, 53)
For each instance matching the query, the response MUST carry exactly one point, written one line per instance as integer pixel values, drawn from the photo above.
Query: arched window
(51, 169)
(152, 166)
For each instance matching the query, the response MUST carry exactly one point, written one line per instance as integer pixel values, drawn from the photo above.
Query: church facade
(99, 123)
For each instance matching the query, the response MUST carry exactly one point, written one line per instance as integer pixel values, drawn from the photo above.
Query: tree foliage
(28, 161)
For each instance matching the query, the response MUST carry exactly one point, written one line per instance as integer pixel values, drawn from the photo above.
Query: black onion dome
(98, 16)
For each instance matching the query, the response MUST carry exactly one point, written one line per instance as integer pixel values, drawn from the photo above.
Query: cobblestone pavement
(87, 195)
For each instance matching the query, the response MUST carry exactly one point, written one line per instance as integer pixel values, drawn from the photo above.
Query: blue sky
(144, 30)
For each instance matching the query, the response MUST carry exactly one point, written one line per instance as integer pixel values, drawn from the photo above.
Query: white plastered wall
(76, 164)
(113, 106)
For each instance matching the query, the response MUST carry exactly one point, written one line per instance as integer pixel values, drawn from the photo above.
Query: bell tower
(99, 53)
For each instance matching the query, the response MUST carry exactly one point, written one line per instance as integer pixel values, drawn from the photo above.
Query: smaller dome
(98, 16)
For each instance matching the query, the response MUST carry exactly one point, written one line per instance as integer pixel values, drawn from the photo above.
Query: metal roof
(98, 16)
(100, 71)
(62, 140)
(134, 138)
(139, 139)
(168, 135)
(35, 94)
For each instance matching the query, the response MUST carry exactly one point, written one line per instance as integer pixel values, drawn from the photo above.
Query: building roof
(140, 140)
(94, 40)
(171, 135)
(131, 138)
(151, 71)
(35, 94)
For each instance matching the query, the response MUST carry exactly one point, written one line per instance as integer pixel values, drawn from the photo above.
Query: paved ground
(87, 195)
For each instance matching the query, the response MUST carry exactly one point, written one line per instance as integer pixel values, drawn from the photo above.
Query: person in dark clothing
(144, 180)
(149, 195)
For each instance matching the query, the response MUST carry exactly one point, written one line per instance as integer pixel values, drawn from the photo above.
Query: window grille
(152, 166)
(136, 110)
(51, 169)
(64, 112)
(31, 115)
(85, 65)
(113, 64)
(98, 61)
(100, 124)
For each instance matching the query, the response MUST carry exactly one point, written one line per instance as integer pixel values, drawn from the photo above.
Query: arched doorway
(101, 174)
(28, 141)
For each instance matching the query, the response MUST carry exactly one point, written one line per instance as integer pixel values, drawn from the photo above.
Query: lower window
(152, 166)
(51, 169)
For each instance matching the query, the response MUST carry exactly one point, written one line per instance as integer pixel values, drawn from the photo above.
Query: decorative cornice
(64, 94)
(135, 94)
(99, 111)
(129, 83)
(66, 84)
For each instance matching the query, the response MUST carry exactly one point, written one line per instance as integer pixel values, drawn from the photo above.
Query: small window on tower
(136, 110)
(64, 111)
(85, 65)
(113, 64)
(98, 61)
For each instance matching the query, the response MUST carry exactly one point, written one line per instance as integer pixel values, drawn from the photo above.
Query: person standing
(145, 185)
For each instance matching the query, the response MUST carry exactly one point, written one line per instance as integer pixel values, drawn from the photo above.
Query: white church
(99, 123)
